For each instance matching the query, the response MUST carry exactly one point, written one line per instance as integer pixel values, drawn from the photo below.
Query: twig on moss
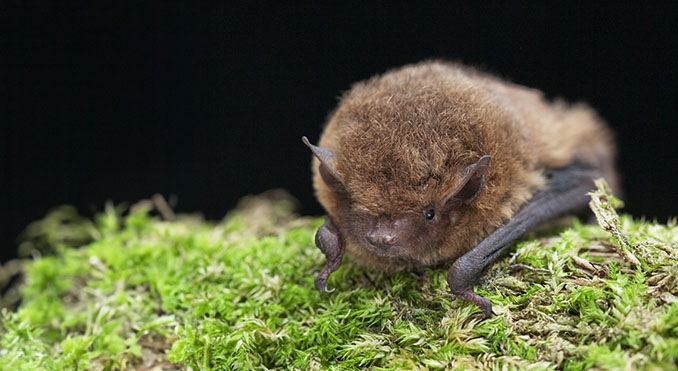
(603, 205)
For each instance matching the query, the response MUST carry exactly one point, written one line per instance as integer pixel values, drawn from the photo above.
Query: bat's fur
(401, 139)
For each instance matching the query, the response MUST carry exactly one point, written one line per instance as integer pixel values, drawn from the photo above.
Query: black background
(120, 101)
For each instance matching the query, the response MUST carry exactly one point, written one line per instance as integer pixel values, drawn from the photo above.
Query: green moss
(143, 291)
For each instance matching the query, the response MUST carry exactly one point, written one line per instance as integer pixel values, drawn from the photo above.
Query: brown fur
(401, 139)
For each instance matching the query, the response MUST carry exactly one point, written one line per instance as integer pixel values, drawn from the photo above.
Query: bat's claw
(487, 308)
(321, 285)
(483, 303)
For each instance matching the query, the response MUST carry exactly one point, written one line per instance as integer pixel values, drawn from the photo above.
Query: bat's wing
(565, 192)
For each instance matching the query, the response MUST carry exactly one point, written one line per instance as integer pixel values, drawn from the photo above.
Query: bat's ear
(473, 180)
(327, 172)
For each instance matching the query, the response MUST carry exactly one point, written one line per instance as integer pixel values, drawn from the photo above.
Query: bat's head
(405, 224)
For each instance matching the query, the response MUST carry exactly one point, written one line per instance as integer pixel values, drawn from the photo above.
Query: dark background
(119, 102)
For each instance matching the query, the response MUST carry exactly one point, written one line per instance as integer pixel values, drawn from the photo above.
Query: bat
(438, 163)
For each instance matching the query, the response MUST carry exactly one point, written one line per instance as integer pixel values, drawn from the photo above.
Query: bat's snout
(381, 238)
(386, 232)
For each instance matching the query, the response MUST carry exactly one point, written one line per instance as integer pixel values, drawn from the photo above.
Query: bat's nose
(381, 238)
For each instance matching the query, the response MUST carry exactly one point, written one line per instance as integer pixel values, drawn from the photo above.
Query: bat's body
(437, 162)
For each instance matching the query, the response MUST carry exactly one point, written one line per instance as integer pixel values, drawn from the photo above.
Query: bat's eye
(430, 214)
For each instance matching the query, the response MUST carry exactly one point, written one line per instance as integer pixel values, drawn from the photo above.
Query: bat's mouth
(385, 250)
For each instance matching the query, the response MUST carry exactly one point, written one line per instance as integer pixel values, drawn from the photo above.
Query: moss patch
(175, 292)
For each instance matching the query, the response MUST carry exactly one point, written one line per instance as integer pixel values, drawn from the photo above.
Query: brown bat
(437, 163)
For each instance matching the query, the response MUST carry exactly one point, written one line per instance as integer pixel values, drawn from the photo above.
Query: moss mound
(176, 292)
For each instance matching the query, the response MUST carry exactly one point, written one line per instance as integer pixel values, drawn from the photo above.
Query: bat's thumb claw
(487, 310)
(321, 285)
(467, 294)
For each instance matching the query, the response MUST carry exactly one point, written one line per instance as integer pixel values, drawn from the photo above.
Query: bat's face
(412, 236)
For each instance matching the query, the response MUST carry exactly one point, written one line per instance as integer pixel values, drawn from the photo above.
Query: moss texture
(176, 292)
